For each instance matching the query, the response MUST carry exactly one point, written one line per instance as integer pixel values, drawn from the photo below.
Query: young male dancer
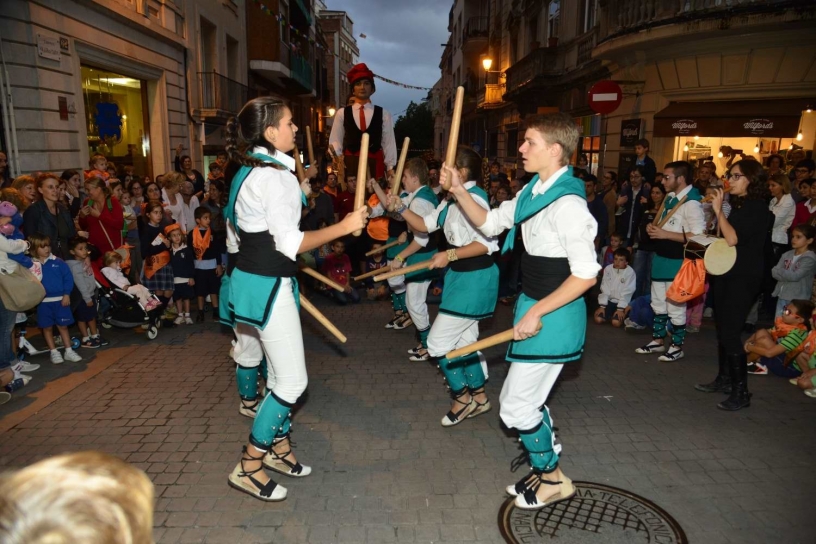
(559, 265)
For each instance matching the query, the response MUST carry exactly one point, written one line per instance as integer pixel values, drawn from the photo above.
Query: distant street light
(332, 112)
(487, 62)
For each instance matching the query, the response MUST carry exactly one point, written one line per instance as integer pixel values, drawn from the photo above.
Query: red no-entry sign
(605, 96)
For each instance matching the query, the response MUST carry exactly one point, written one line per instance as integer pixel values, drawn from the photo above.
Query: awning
(743, 118)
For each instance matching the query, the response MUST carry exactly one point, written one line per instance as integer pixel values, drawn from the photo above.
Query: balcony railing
(541, 62)
(585, 46)
(221, 93)
(301, 70)
(490, 96)
(476, 27)
(626, 16)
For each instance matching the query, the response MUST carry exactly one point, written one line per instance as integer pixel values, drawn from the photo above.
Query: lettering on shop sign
(684, 126)
(48, 47)
(630, 132)
(610, 512)
(758, 126)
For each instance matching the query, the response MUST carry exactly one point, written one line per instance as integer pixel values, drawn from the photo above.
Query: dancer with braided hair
(261, 292)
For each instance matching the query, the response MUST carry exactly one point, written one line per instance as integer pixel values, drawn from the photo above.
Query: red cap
(358, 72)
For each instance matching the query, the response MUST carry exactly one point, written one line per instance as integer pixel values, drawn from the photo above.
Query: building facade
(338, 29)
(117, 77)
(698, 78)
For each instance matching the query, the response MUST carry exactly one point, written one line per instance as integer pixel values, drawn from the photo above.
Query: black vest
(353, 134)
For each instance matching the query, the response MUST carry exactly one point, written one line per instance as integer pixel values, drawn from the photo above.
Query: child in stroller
(126, 309)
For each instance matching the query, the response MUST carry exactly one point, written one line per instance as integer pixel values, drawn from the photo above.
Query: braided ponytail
(246, 130)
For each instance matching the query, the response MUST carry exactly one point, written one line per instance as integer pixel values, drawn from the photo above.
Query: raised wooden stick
(362, 168)
(309, 148)
(395, 243)
(306, 305)
(489, 342)
(320, 277)
(368, 274)
(404, 270)
(453, 136)
(400, 167)
(299, 170)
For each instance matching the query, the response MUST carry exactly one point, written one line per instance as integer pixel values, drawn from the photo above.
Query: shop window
(590, 147)
(553, 14)
(116, 118)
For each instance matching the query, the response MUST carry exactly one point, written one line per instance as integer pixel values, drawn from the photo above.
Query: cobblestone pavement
(386, 471)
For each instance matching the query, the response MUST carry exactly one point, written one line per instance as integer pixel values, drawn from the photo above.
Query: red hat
(358, 72)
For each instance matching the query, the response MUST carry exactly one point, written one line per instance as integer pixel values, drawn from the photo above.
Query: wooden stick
(320, 277)
(489, 342)
(368, 274)
(309, 148)
(301, 173)
(404, 270)
(362, 167)
(306, 305)
(400, 167)
(395, 243)
(453, 137)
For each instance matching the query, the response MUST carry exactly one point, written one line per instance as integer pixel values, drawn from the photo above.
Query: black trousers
(732, 300)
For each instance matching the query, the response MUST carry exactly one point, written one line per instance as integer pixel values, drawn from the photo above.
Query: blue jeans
(643, 272)
(7, 318)
(345, 298)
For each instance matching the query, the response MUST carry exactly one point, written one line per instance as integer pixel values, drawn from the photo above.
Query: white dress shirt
(617, 286)
(784, 209)
(419, 206)
(565, 228)
(689, 218)
(269, 200)
(458, 229)
(389, 142)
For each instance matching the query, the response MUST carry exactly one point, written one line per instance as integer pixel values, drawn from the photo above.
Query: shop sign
(630, 132)
(758, 126)
(48, 47)
(684, 126)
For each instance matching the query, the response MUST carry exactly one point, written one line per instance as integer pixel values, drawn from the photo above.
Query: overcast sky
(402, 43)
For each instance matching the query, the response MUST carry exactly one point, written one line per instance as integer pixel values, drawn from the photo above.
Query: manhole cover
(597, 513)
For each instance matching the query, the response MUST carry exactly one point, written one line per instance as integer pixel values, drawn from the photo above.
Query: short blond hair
(89, 497)
(557, 128)
(783, 181)
(173, 179)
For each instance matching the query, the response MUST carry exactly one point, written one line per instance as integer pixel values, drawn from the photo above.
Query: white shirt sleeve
(281, 214)
(576, 229)
(491, 243)
(695, 216)
(422, 208)
(389, 142)
(606, 282)
(377, 211)
(432, 219)
(628, 288)
(338, 131)
(501, 219)
(784, 213)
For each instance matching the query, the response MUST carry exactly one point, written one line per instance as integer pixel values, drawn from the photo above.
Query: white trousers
(397, 283)
(416, 301)
(282, 343)
(450, 332)
(525, 391)
(676, 311)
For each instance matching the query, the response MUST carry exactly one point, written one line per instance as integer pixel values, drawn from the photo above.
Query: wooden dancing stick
(400, 167)
(404, 270)
(368, 274)
(309, 147)
(489, 342)
(320, 277)
(301, 173)
(453, 136)
(395, 243)
(362, 167)
(306, 305)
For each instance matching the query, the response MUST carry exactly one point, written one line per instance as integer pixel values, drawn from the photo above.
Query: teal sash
(475, 190)
(528, 205)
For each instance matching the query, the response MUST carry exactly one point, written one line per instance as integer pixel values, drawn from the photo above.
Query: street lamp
(487, 62)
(332, 112)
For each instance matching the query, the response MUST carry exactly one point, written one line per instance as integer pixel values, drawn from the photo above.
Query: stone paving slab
(386, 471)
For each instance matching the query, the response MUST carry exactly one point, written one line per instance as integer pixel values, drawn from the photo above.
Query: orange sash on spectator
(782, 329)
(200, 243)
(807, 346)
(378, 226)
(154, 263)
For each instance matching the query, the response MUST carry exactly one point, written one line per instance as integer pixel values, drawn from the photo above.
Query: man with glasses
(680, 217)
(803, 170)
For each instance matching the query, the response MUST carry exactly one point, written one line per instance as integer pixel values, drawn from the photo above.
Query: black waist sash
(471, 263)
(257, 255)
(543, 275)
(669, 248)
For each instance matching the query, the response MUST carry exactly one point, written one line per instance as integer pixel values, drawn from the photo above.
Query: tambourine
(717, 255)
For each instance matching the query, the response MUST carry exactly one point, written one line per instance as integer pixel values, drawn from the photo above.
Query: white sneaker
(651, 347)
(675, 353)
(179, 320)
(25, 366)
(72, 356)
(708, 312)
(56, 357)
(188, 320)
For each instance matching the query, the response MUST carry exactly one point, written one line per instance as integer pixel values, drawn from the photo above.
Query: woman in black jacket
(50, 218)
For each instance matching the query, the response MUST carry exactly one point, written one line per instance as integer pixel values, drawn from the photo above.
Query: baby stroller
(124, 310)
